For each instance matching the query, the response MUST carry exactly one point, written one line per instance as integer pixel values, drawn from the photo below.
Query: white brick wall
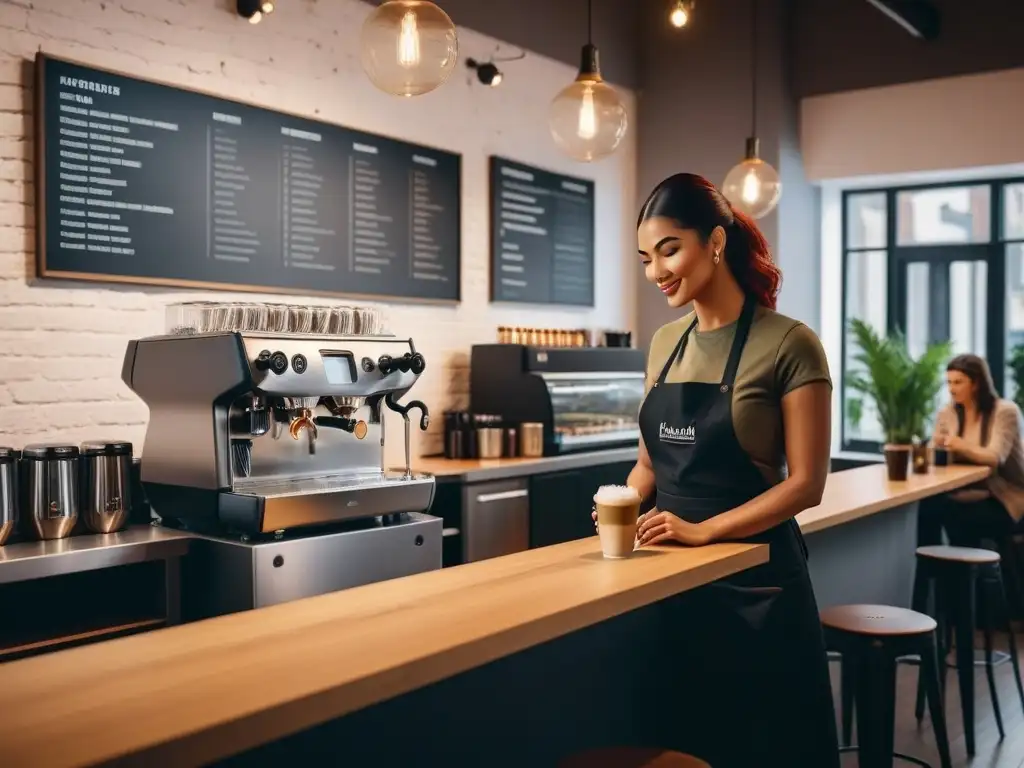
(61, 344)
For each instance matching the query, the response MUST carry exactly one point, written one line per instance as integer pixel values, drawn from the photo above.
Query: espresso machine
(266, 440)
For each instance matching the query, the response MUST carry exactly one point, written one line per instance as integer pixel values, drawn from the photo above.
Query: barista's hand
(660, 527)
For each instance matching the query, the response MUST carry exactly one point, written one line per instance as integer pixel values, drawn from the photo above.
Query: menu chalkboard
(542, 236)
(145, 183)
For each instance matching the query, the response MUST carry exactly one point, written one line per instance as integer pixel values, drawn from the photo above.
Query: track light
(682, 11)
(486, 72)
(254, 10)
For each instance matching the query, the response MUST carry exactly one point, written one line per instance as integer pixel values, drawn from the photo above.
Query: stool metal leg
(847, 691)
(876, 683)
(965, 620)
(985, 614)
(1011, 636)
(929, 673)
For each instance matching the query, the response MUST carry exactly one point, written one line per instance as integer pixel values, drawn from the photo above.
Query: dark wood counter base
(605, 685)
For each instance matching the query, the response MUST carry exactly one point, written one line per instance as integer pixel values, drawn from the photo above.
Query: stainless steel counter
(483, 470)
(136, 544)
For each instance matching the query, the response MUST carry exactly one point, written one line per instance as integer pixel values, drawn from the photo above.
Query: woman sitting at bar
(978, 427)
(735, 433)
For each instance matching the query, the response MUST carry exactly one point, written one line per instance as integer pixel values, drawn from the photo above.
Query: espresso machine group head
(269, 417)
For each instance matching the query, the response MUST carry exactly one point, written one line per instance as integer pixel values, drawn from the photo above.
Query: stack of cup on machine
(618, 509)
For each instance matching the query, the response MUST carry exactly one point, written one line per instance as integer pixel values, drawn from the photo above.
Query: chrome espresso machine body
(266, 439)
(587, 398)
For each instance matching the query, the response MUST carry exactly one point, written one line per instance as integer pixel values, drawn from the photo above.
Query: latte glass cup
(617, 514)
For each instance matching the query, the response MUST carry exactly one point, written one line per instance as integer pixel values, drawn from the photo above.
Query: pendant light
(587, 118)
(408, 47)
(753, 186)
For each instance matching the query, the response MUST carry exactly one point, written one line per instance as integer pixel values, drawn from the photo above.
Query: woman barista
(736, 394)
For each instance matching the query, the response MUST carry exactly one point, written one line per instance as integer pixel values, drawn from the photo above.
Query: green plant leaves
(903, 389)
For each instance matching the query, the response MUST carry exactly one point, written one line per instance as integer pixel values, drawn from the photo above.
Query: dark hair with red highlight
(693, 202)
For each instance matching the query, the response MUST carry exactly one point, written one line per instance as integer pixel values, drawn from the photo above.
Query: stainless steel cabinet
(495, 519)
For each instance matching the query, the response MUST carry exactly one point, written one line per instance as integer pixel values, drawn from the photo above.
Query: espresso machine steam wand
(403, 410)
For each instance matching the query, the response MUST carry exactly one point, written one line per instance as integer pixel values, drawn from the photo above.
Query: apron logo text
(686, 435)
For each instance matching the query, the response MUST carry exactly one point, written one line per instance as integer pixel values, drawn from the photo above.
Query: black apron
(759, 692)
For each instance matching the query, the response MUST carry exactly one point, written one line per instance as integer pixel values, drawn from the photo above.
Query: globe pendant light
(408, 47)
(587, 118)
(753, 186)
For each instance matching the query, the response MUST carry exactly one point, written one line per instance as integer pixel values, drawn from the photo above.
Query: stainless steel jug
(105, 475)
(8, 493)
(50, 488)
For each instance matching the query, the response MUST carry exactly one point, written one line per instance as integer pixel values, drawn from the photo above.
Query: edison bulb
(408, 47)
(588, 119)
(678, 17)
(753, 187)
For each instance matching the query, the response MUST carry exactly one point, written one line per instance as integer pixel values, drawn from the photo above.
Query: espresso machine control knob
(279, 362)
(417, 363)
(386, 365)
(263, 360)
(404, 363)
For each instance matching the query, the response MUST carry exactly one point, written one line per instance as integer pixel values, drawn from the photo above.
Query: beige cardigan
(1007, 481)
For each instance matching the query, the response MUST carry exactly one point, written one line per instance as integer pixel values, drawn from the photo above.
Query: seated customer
(979, 427)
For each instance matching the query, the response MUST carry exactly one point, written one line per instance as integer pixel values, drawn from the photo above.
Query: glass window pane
(1013, 212)
(918, 273)
(866, 291)
(946, 215)
(1014, 313)
(865, 220)
(968, 298)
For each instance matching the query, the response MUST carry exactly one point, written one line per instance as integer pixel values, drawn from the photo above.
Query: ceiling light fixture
(682, 11)
(753, 186)
(408, 47)
(587, 118)
(254, 10)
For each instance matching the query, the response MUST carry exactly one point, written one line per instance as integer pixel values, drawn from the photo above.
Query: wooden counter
(192, 694)
(195, 693)
(856, 493)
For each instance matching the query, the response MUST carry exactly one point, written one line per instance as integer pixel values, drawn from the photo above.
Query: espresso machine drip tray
(269, 505)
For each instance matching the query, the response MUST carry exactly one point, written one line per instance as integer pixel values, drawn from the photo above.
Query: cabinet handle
(483, 498)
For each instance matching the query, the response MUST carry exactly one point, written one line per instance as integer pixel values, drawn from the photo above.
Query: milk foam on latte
(618, 507)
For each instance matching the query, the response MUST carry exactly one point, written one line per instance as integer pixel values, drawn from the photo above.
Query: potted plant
(1016, 363)
(903, 389)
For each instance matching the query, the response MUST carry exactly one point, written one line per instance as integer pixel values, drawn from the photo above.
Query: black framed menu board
(146, 183)
(542, 236)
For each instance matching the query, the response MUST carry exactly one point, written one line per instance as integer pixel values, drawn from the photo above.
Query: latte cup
(618, 508)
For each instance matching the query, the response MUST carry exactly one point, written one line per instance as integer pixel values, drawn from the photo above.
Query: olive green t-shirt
(781, 354)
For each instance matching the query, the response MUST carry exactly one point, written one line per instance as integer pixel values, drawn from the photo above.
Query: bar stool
(632, 757)
(870, 638)
(956, 573)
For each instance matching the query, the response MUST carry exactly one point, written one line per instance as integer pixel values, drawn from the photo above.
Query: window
(939, 262)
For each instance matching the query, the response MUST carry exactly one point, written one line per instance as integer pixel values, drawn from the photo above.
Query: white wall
(949, 123)
(62, 344)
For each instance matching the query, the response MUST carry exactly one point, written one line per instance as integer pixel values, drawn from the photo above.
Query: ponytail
(750, 258)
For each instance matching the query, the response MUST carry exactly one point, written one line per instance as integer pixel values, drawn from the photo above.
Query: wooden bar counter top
(193, 694)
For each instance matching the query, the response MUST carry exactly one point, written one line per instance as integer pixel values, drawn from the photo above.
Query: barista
(736, 393)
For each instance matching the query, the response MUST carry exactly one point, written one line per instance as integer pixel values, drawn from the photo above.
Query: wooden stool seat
(883, 620)
(959, 554)
(632, 757)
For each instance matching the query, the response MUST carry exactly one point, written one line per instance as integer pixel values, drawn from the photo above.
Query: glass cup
(618, 509)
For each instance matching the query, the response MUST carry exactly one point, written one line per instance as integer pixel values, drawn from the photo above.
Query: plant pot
(919, 459)
(897, 461)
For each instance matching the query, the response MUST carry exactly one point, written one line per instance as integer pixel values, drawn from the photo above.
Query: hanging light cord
(753, 68)
(590, 22)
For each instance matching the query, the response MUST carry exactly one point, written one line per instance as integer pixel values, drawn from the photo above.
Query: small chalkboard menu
(542, 236)
(146, 183)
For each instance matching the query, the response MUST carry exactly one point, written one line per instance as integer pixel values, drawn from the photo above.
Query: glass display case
(594, 408)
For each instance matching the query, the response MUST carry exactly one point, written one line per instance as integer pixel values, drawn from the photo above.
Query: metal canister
(105, 470)
(49, 488)
(531, 439)
(8, 493)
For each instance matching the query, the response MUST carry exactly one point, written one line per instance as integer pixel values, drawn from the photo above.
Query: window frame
(995, 253)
